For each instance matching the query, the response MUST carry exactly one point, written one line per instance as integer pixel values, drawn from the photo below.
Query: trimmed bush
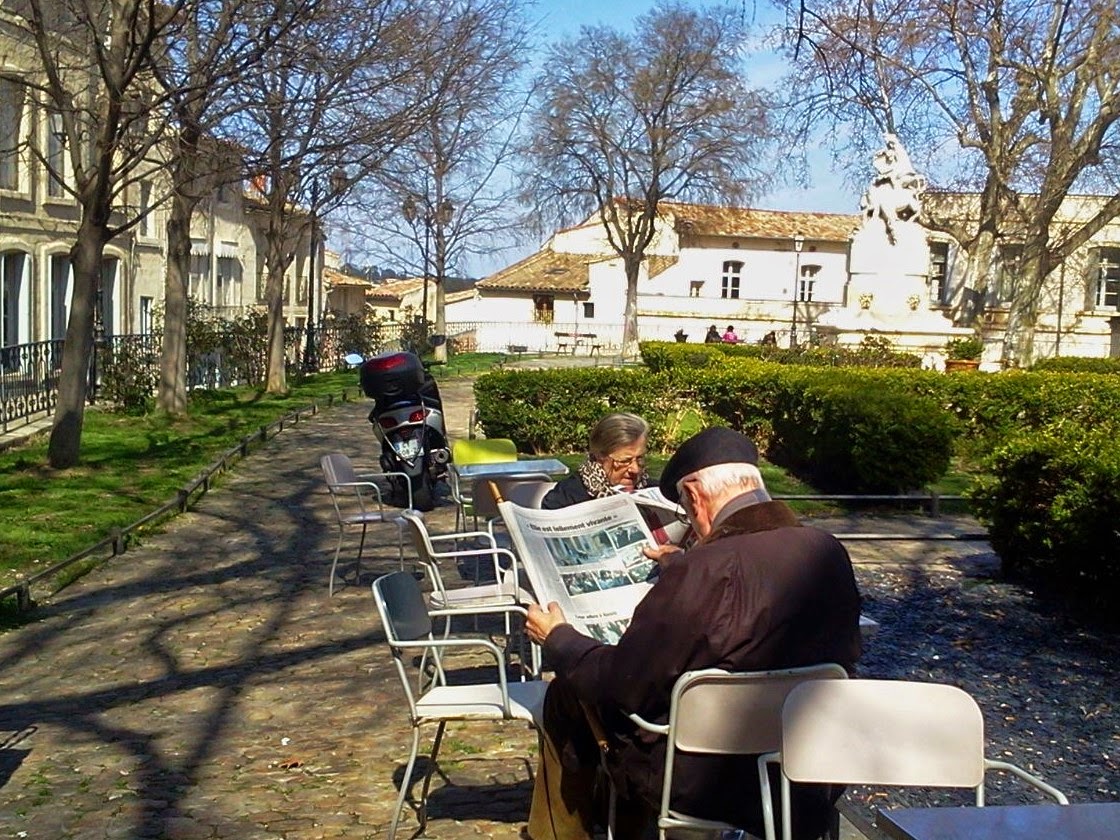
(1078, 364)
(1051, 503)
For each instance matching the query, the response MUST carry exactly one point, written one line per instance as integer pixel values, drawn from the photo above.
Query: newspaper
(586, 557)
(665, 519)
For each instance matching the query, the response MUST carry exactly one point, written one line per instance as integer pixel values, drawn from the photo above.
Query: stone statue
(893, 195)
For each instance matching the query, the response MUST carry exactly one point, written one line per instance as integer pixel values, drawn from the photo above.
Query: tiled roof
(334, 278)
(546, 271)
(395, 289)
(656, 263)
(709, 220)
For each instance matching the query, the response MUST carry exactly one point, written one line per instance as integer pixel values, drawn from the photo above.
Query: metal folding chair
(408, 626)
(358, 503)
(885, 732)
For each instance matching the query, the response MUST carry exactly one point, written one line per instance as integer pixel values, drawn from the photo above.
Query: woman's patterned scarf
(594, 478)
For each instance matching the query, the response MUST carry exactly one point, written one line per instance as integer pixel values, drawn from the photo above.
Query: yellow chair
(474, 451)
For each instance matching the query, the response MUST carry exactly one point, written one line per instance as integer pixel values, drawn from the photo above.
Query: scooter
(407, 418)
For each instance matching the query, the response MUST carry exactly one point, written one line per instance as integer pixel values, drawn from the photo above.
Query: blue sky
(561, 19)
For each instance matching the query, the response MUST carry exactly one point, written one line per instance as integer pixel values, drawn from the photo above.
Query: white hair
(720, 478)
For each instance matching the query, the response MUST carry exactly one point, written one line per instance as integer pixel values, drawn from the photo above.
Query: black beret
(718, 445)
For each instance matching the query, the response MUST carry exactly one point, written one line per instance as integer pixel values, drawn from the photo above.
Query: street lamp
(337, 184)
(438, 216)
(798, 244)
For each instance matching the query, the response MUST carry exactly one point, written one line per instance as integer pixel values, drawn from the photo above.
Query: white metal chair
(504, 590)
(408, 625)
(712, 712)
(886, 732)
(358, 503)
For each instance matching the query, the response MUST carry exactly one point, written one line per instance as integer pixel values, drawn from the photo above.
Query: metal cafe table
(1080, 821)
(512, 469)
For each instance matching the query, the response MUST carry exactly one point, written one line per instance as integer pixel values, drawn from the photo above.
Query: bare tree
(451, 180)
(94, 77)
(213, 49)
(325, 108)
(1015, 102)
(624, 121)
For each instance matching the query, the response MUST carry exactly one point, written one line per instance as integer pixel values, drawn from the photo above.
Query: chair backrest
(337, 469)
(717, 711)
(418, 532)
(400, 603)
(883, 732)
(483, 451)
(526, 491)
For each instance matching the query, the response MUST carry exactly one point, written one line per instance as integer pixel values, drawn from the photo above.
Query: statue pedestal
(888, 290)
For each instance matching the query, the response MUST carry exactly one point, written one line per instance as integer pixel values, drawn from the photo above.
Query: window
(543, 309)
(11, 130)
(146, 221)
(1107, 291)
(15, 307)
(56, 155)
(107, 295)
(729, 283)
(229, 275)
(588, 310)
(1010, 260)
(938, 272)
(807, 282)
(61, 288)
(146, 307)
(694, 288)
(198, 287)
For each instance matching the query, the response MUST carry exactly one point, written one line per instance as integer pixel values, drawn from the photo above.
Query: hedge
(852, 436)
(1078, 364)
(1051, 501)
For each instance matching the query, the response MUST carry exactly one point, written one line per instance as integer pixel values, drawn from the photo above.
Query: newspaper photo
(588, 558)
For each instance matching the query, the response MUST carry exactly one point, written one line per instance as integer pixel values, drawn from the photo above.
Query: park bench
(575, 339)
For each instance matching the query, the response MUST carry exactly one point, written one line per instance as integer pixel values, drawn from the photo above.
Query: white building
(771, 271)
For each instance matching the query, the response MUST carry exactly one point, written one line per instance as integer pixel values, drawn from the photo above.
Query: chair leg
(334, 565)
(428, 776)
(358, 562)
(405, 782)
(400, 542)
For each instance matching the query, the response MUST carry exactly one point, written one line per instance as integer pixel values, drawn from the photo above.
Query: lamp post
(436, 216)
(412, 215)
(336, 185)
(310, 363)
(798, 244)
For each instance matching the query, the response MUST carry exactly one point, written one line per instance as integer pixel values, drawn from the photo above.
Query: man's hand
(538, 624)
(661, 554)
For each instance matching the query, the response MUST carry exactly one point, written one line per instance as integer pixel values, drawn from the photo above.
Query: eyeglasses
(622, 463)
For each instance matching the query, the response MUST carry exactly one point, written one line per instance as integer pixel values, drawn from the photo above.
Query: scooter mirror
(353, 359)
(436, 340)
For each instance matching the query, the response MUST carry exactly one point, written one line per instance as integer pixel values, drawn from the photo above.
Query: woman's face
(624, 465)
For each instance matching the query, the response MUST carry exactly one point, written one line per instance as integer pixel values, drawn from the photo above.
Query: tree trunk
(64, 449)
(172, 395)
(276, 379)
(440, 352)
(1018, 338)
(630, 313)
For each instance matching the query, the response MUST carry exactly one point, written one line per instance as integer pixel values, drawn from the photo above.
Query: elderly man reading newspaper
(759, 591)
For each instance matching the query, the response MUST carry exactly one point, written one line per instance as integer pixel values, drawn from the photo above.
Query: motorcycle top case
(392, 376)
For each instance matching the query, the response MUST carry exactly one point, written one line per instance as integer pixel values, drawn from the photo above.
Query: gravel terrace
(1047, 687)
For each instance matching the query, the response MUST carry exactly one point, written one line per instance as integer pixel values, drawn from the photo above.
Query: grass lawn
(130, 466)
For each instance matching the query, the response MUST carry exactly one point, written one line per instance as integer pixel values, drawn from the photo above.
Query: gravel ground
(1047, 686)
